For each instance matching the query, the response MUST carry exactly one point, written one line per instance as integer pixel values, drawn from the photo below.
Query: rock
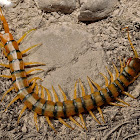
(92, 10)
(64, 6)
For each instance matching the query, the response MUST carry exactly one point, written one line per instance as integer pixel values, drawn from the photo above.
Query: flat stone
(64, 6)
(93, 10)
(68, 53)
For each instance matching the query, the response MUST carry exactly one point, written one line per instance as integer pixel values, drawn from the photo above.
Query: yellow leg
(75, 91)
(74, 121)
(82, 88)
(121, 69)
(95, 84)
(23, 52)
(16, 98)
(6, 76)
(111, 103)
(35, 120)
(120, 100)
(1, 45)
(10, 89)
(106, 79)
(90, 85)
(63, 93)
(63, 122)
(55, 95)
(65, 98)
(25, 34)
(93, 116)
(82, 120)
(33, 63)
(110, 73)
(37, 89)
(31, 70)
(35, 78)
(117, 72)
(50, 124)
(21, 112)
(5, 65)
(101, 114)
(48, 94)
(128, 94)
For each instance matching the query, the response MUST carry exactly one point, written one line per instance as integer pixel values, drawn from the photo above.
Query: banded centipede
(68, 108)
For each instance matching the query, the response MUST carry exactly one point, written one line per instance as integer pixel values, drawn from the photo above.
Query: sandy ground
(71, 50)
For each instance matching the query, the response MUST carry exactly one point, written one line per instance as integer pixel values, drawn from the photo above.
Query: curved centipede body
(27, 89)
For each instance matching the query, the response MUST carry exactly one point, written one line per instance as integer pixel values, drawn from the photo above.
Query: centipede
(27, 89)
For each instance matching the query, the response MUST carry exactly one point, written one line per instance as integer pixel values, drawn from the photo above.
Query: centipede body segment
(27, 90)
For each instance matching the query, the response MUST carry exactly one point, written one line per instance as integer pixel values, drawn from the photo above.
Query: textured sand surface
(71, 50)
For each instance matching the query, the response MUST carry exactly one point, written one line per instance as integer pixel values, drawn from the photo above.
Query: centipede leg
(128, 94)
(60, 119)
(106, 79)
(23, 52)
(15, 99)
(65, 98)
(50, 123)
(120, 100)
(117, 72)
(101, 114)
(33, 63)
(21, 112)
(111, 75)
(10, 89)
(35, 120)
(31, 70)
(6, 76)
(93, 116)
(5, 65)
(25, 34)
(115, 104)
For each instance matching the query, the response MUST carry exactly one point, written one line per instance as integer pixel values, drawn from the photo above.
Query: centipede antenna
(21, 112)
(106, 79)
(133, 48)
